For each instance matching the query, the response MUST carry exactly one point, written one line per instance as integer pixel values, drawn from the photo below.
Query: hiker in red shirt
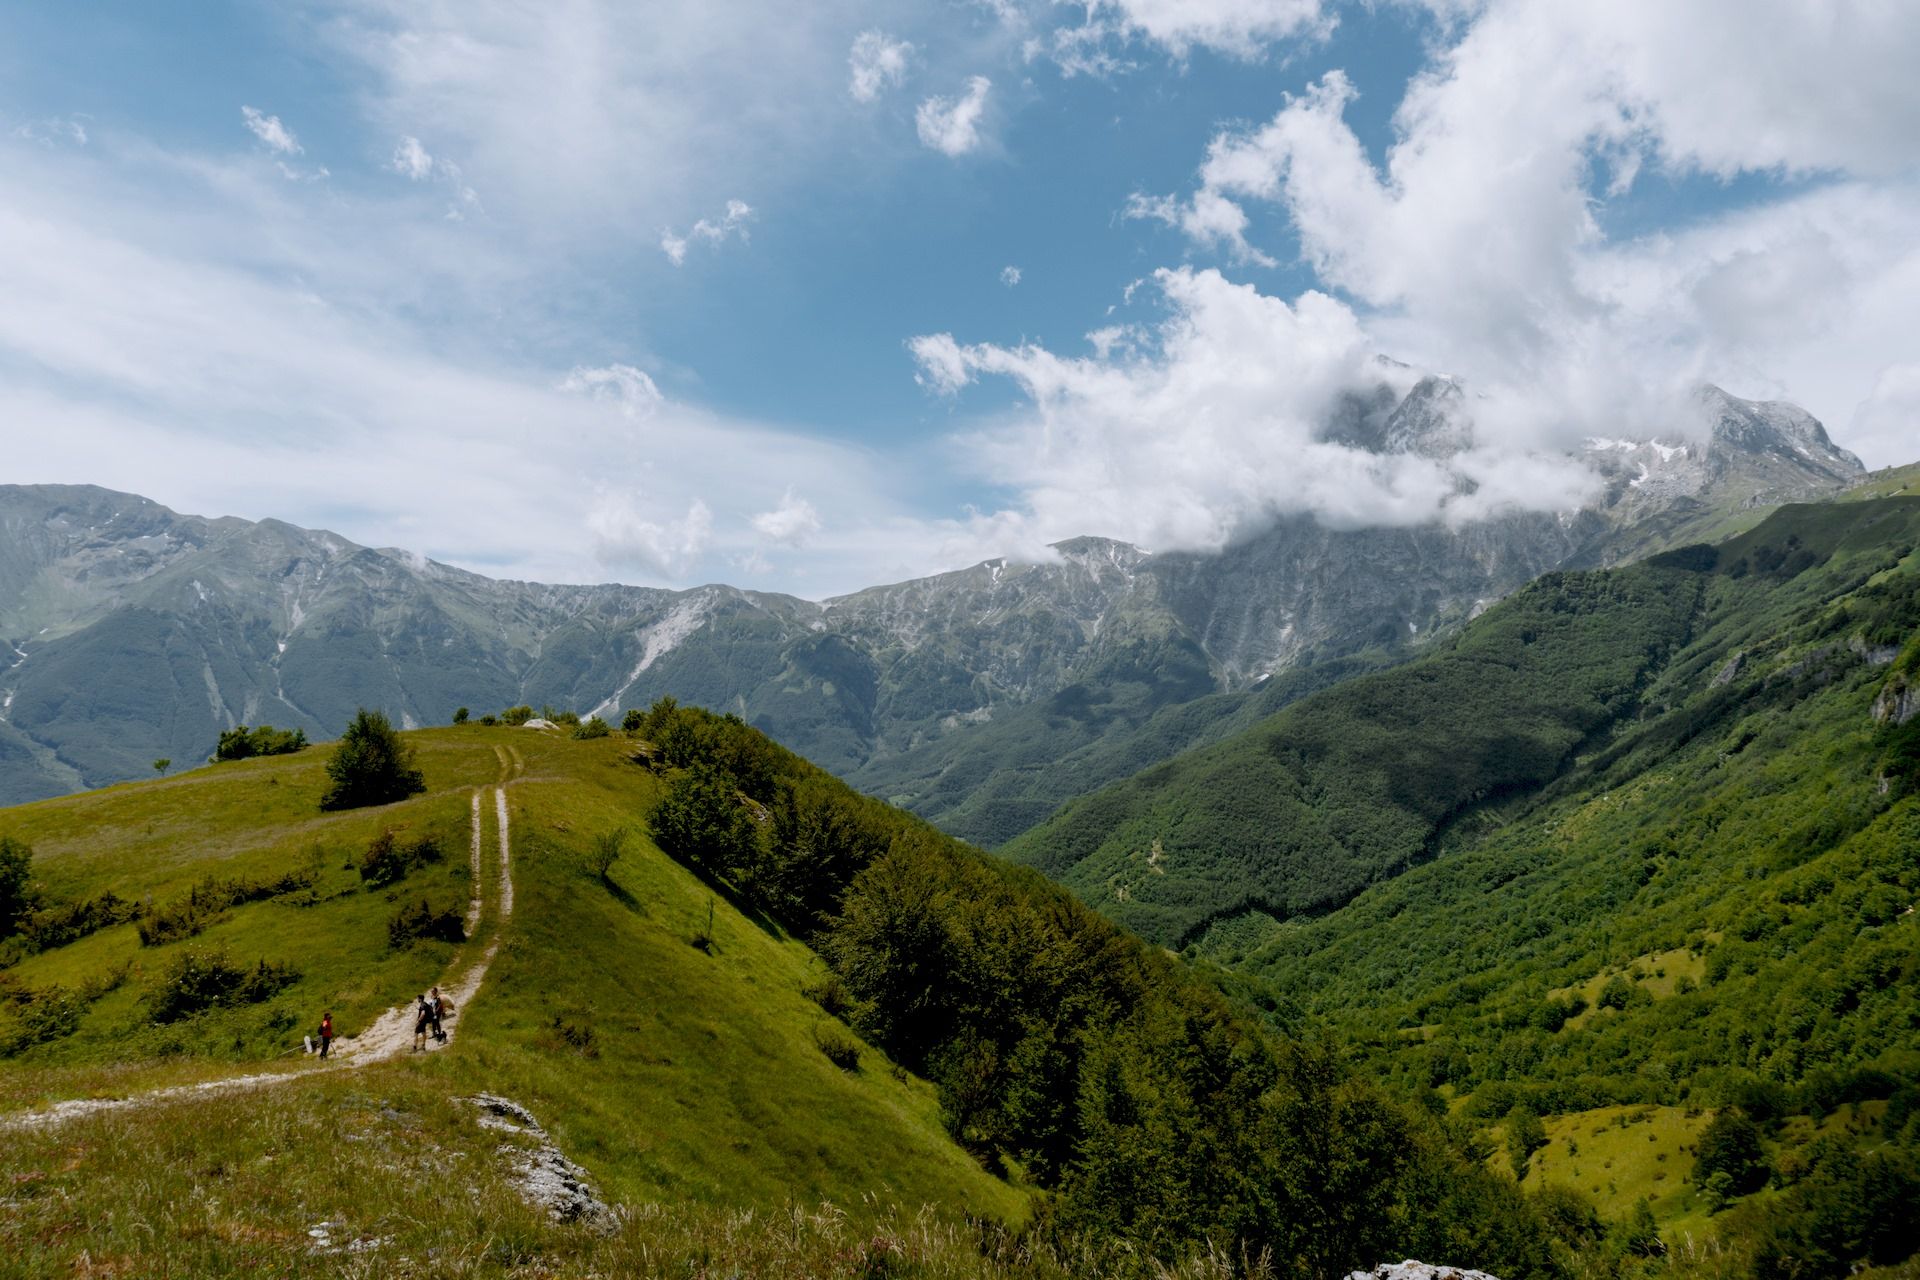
(326, 1031)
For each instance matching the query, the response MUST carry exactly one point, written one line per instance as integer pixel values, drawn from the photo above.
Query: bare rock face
(1897, 703)
(1411, 1270)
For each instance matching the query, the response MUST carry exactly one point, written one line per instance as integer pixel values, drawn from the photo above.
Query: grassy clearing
(1618, 1155)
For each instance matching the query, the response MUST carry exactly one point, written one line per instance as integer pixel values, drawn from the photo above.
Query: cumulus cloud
(627, 536)
(1209, 428)
(714, 231)
(876, 62)
(793, 521)
(1009, 276)
(1477, 246)
(951, 126)
(631, 390)
(1241, 28)
(278, 138)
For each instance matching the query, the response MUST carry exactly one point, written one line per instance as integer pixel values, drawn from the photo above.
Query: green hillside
(819, 1038)
(1640, 847)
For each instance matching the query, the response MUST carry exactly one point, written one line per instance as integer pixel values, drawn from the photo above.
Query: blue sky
(679, 292)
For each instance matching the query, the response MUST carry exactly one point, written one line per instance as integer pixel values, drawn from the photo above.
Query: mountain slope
(1699, 896)
(136, 633)
(814, 998)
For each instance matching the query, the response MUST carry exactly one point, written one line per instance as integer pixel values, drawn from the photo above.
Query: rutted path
(388, 1036)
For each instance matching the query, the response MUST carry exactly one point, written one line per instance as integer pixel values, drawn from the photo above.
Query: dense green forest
(1068, 1054)
(1640, 848)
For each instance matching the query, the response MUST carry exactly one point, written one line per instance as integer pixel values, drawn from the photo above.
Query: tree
(1729, 1145)
(16, 866)
(460, 716)
(371, 765)
(631, 722)
(161, 765)
(606, 850)
(701, 819)
(1525, 1135)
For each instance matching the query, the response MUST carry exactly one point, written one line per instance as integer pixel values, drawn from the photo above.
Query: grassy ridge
(702, 1080)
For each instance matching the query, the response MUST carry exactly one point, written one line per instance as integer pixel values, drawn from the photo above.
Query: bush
(16, 893)
(606, 850)
(51, 1013)
(371, 765)
(388, 860)
(842, 1050)
(202, 980)
(489, 720)
(202, 905)
(460, 715)
(242, 743)
(423, 920)
(631, 722)
(514, 717)
(69, 922)
(594, 727)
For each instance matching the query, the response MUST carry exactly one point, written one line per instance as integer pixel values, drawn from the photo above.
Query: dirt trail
(387, 1037)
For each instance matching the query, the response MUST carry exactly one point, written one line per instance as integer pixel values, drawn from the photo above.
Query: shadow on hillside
(724, 889)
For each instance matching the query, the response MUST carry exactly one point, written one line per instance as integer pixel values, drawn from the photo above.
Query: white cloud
(1477, 246)
(278, 138)
(1009, 276)
(624, 537)
(951, 126)
(876, 62)
(1241, 28)
(793, 521)
(631, 389)
(731, 223)
(1206, 429)
(411, 160)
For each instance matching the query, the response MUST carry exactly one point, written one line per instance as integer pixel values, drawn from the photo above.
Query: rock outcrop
(546, 1178)
(1411, 1270)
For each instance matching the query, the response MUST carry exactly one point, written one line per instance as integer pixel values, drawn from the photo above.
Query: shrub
(423, 920)
(489, 720)
(70, 921)
(631, 722)
(842, 1050)
(388, 860)
(831, 994)
(514, 717)
(593, 727)
(202, 980)
(606, 850)
(184, 917)
(242, 743)
(51, 1013)
(16, 870)
(460, 715)
(371, 765)
(575, 1036)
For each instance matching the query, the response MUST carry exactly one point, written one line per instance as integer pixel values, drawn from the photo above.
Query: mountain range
(981, 698)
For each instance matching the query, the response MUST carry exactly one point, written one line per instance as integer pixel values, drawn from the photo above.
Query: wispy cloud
(711, 230)
(278, 138)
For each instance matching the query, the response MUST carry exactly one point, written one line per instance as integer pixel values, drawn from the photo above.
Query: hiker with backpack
(438, 1005)
(422, 1019)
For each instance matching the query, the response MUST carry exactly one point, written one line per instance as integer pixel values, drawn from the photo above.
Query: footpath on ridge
(387, 1036)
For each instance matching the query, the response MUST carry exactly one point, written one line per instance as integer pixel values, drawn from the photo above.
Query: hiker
(422, 1018)
(439, 1007)
(326, 1032)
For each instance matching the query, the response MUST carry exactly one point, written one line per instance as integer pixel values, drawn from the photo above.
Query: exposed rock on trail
(545, 1176)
